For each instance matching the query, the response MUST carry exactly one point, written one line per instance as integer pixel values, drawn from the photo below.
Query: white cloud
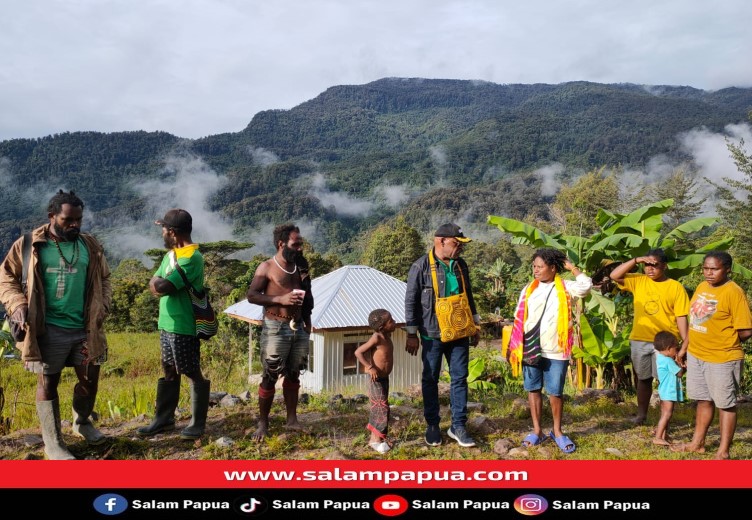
(204, 67)
(341, 203)
(186, 182)
(394, 196)
(549, 183)
(263, 157)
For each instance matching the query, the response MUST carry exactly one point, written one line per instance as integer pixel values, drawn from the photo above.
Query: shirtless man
(276, 285)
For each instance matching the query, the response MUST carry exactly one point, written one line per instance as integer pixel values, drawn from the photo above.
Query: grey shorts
(717, 382)
(284, 352)
(643, 359)
(181, 351)
(61, 348)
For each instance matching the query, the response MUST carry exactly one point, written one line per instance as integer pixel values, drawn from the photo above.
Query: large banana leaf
(638, 217)
(619, 245)
(525, 233)
(681, 231)
(600, 304)
(594, 348)
(721, 245)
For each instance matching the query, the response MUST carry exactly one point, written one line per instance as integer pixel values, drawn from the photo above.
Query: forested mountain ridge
(422, 135)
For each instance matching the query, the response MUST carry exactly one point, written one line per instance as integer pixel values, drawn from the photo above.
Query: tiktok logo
(250, 506)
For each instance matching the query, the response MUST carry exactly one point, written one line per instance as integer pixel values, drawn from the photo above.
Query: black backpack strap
(25, 258)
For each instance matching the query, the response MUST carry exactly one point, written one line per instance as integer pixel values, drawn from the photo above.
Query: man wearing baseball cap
(181, 352)
(452, 277)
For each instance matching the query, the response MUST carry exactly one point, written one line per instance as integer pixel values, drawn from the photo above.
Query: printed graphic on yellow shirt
(702, 310)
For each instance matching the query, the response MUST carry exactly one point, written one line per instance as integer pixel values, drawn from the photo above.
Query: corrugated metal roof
(343, 298)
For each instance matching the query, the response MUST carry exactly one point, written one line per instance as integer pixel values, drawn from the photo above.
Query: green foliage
(393, 247)
(619, 237)
(130, 282)
(452, 141)
(579, 203)
(736, 203)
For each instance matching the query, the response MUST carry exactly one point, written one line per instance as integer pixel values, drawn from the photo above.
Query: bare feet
(661, 442)
(261, 431)
(638, 420)
(722, 456)
(687, 447)
(293, 424)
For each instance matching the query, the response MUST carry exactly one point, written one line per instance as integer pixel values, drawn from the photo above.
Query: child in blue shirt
(669, 382)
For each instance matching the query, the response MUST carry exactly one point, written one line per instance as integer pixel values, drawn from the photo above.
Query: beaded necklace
(282, 268)
(74, 257)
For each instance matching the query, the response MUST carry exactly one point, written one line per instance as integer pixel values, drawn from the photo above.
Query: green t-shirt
(175, 310)
(64, 282)
(452, 284)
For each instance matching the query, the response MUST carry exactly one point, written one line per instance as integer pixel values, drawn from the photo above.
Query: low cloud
(548, 176)
(341, 203)
(394, 196)
(262, 157)
(187, 182)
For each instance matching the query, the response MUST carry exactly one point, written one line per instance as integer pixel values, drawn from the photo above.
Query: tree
(682, 187)
(735, 208)
(577, 205)
(130, 279)
(393, 247)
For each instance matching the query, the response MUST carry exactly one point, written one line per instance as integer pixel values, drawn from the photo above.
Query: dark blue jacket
(420, 302)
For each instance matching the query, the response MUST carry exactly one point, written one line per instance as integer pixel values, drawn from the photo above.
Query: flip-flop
(531, 439)
(564, 443)
(381, 447)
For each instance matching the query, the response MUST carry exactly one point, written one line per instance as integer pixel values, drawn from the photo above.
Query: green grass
(333, 428)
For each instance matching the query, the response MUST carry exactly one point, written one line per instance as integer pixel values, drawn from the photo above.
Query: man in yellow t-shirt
(660, 304)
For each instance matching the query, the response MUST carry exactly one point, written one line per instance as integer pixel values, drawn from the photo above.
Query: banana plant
(621, 237)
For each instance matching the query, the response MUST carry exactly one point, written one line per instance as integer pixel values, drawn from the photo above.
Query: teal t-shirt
(452, 285)
(64, 280)
(175, 310)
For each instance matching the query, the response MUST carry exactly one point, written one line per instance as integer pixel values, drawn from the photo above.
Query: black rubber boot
(49, 420)
(82, 425)
(168, 393)
(199, 409)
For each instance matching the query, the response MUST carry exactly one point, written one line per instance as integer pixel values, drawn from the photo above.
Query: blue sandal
(564, 443)
(531, 439)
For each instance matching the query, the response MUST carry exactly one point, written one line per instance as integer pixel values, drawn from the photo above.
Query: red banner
(321, 474)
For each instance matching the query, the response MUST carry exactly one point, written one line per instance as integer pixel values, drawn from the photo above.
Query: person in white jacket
(544, 310)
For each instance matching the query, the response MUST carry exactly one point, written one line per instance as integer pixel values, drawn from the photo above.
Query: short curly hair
(55, 206)
(551, 257)
(664, 340)
(378, 318)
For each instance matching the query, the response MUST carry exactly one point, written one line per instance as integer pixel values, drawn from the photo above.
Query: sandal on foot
(564, 443)
(381, 447)
(531, 439)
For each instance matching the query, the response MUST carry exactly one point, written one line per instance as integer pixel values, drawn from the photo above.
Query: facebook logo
(110, 504)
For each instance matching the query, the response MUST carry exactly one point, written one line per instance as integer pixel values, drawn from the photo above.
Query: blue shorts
(549, 372)
(284, 352)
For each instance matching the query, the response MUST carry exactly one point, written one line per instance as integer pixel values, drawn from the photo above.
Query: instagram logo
(530, 504)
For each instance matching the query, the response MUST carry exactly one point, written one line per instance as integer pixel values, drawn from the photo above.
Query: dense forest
(451, 149)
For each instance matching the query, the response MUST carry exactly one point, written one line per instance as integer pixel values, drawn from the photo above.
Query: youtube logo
(390, 505)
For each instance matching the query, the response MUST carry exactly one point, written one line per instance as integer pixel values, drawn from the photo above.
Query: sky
(201, 67)
(195, 68)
